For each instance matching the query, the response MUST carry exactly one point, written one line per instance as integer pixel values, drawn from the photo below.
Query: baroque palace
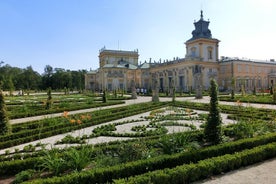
(120, 69)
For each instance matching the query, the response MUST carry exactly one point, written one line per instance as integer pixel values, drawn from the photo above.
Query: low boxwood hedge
(103, 175)
(204, 168)
(54, 129)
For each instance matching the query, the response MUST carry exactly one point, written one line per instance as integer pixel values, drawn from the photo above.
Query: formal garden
(166, 141)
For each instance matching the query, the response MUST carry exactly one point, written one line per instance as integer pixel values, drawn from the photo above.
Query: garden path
(140, 99)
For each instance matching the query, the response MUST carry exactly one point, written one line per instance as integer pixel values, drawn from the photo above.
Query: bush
(53, 162)
(78, 159)
(5, 127)
(204, 168)
(104, 175)
(213, 131)
(243, 130)
(23, 176)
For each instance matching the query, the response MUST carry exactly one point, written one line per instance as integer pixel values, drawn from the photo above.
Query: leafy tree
(5, 127)
(10, 85)
(212, 131)
(29, 79)
(47, 77)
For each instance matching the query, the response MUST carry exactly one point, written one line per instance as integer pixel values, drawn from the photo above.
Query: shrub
(212, 131)
(132, 152)
(5, 127)
(204, 168)
(243, 130)
(49, 99)
(78, 159)
(107, 174)
(53, 162)
(23, 176)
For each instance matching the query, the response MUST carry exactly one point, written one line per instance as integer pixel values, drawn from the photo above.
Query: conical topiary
(49, 99)
(213, 131)
(5, 127)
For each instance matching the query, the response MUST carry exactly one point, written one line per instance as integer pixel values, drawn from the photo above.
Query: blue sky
(69, 33)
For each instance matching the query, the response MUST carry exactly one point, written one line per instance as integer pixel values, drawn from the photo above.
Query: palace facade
(119, 69)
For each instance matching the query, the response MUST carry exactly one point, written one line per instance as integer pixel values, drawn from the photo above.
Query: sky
(68, 34)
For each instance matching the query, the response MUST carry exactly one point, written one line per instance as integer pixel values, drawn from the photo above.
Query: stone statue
(155, 90)
(198, 86)
(133, 90)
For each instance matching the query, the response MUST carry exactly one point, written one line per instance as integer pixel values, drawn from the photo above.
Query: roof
(144, 65)
(236, 59)
(128, 66)
(118, 52)
(201, 29)
(92, 72)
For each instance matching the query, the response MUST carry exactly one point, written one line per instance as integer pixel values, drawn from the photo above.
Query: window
(239, 68)
(247, 69)
(193, 52)
(210, 53)
(121, 86)
(259, 83)
(181, 82)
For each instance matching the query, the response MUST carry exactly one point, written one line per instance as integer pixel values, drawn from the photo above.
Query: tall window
(259, 83)
(193, 52)
(181, 82)
(210, 53)
(161, 84)
(239, 68)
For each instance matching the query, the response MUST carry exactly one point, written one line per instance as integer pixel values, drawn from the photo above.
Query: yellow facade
(201, 63)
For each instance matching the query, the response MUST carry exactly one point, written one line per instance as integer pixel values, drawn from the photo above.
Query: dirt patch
(7, 180)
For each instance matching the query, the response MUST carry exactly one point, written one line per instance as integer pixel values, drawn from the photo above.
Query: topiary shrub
(5, 127)
(49, 99)
(213, 130)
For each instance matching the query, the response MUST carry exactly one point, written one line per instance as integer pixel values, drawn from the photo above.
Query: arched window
(193, 52)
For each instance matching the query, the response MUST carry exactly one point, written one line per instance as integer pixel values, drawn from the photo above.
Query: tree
(47, 77)
(5, 127)
(212, 131)
(29, 79)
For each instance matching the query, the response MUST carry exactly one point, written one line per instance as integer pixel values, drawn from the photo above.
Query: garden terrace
(249, 98)
(149, 146)
(36, 130)
(19, 107)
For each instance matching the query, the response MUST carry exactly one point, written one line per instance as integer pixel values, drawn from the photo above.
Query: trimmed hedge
(104, 175)
(51, 130)
(204, 168)
(50, 111)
